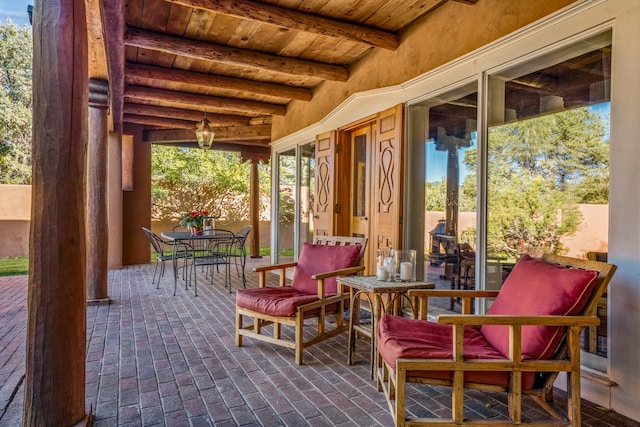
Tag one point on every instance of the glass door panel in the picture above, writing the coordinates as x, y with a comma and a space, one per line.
447, 127
307, 189
548, 161
286, 205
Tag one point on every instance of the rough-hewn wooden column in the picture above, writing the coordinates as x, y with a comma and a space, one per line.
54, 392
115, 199
254, 202
97, 211
254, 210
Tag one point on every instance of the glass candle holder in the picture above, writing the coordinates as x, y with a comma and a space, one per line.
382, 270
405, 265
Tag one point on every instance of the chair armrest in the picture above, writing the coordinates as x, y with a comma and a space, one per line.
515, 324
275, 267
320, 277
262, 272
342, 272
502, 319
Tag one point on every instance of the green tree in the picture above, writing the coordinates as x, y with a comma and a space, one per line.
183, 180
539, 171
435, 195
16, 50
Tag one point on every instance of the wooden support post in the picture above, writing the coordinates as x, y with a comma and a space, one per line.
254, 210
115, 200
54, 390
97, 213
254, 200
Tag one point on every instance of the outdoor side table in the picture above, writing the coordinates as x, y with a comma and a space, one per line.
376, 292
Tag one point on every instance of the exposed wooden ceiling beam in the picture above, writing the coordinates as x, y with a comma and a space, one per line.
215, 81
233, 56
113, 21
264, 120
189, 115
203, 102
295, 20
263, 151
159, 121
98, 64
251, 135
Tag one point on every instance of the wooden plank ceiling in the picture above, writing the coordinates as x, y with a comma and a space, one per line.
238, 61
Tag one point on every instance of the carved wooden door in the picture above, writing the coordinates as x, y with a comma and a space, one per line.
386, 210
325, 193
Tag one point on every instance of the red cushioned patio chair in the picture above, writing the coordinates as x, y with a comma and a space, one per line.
530, 335
312, 293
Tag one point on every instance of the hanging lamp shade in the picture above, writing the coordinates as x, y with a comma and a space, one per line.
204, 133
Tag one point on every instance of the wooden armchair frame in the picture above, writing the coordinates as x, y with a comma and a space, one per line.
318, 309
393, 379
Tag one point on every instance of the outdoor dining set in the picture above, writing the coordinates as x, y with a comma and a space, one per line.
214, 250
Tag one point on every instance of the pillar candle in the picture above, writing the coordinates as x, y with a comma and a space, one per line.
405, 271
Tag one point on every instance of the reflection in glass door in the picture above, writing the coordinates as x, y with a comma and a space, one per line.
447, 127
286, 205
307, 188
548, 162
296, 186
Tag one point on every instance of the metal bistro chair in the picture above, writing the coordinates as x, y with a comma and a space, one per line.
164, 252
239, 252
209, 249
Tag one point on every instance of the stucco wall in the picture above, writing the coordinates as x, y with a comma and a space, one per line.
591, 236
15, 214
136, 204
449, 32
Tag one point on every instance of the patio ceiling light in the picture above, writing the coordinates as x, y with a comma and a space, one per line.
204, 133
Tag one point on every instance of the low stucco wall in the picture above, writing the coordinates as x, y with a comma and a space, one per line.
591, 236
15, 214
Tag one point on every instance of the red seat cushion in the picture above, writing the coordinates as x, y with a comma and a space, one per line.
316, 259
536, 287
400, 337
281, 301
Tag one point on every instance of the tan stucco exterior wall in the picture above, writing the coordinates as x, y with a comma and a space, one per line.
447, 33
136, 203
15, 215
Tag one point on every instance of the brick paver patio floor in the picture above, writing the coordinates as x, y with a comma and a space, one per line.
155, 359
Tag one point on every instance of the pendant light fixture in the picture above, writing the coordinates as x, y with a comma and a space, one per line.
204, 133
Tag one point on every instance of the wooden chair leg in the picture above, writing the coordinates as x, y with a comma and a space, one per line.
573, 377
299, 337
573, 398
515, 397
457, 397
238, 327
400, 396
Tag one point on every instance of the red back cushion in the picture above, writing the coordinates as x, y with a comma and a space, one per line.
536, 287
316, 259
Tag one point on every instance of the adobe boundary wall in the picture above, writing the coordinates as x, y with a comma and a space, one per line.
15, 220
15, 214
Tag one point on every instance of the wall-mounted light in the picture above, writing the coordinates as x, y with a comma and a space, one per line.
204, 133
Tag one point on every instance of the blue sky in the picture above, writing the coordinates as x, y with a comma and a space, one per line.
436, 161
16, 10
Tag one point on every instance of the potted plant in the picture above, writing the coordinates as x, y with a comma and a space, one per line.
194, 220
